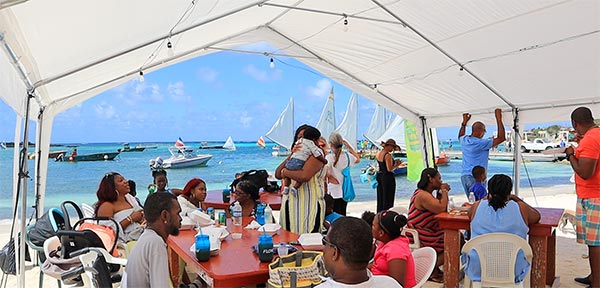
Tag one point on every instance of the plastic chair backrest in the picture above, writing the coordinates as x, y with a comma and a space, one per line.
88, 211
497, 255
415, 244
425, 259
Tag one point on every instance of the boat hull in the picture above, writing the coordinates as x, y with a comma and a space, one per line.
94, 157
134, 149
183, 162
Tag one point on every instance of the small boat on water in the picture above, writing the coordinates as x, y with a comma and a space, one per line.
280, 151
2, 145
102, 156
229, 145
127, 148
443, 159
261, 142
181, 159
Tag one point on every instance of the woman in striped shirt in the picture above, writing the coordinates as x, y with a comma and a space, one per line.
423, 207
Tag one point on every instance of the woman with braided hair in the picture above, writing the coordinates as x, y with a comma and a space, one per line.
500, 212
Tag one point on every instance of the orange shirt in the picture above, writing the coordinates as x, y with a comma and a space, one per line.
589, 147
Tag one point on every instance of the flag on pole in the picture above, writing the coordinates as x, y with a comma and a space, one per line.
179, 143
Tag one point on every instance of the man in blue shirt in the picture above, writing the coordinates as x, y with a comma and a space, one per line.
475, 149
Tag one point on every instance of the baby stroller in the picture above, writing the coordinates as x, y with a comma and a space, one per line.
78, 255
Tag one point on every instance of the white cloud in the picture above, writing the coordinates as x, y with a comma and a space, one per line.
258, 74
207, 74
104, 110
321, 89
177, 92
155, 94
245, 120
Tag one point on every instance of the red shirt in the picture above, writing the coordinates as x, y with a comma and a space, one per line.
395, 249
589, 147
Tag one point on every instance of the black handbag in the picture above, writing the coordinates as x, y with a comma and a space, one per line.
8, 262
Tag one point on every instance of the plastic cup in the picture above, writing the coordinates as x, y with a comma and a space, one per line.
282, 250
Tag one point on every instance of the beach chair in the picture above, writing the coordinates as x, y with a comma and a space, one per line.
425, 259
498, 255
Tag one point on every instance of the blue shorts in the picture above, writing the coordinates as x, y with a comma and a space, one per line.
294, 164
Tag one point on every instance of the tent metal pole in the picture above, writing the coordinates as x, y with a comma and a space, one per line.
342, 70
462, 67
517, 150
331, 13
20, 68
426, 138
147, 43
23, 176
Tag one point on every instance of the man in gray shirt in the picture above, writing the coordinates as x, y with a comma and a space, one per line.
148, 265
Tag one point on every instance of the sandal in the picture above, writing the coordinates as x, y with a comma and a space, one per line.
436, 279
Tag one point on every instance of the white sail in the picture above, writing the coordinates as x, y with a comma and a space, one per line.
326, 124
436, 143
229, 145
378, 125
282, 131
349, 126
396, 132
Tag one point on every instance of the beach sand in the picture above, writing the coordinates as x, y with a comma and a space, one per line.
569, 260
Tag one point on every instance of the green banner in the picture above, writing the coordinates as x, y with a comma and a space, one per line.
413, 151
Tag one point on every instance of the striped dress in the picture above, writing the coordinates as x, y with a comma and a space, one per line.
302, 212
430, 233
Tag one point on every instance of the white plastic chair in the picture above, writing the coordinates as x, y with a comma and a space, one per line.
425, 259
498, 255
416, 244
88, 211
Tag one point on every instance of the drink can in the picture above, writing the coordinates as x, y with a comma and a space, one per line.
211, 211
222, 218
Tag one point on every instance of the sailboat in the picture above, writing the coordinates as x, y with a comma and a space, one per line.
326, 124
229, 145
349, 126
261, 142
441, 158
377, 126
395, 131
282, 131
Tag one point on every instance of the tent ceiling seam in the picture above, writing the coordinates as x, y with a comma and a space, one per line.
333, 13
439, 49
147, 43
341, 70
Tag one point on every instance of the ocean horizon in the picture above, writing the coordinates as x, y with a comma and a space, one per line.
78, 181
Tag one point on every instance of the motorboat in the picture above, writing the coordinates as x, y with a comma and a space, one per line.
101, 156
51, 154
127, 148
181, 158
443, 159
229, 145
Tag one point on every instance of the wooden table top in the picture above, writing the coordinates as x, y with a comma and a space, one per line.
549, 219
237, 264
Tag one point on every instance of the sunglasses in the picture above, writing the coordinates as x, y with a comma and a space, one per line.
328, 243
109, 174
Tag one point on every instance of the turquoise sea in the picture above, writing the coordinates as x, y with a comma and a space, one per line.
79, 181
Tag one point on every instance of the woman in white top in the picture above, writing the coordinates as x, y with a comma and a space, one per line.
336, 162
192, 197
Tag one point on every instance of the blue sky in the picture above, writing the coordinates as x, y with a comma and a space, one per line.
204, 99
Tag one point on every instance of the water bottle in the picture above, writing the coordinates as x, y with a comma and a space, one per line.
236, 215
450, 203
265, 248
260, 214
471, 197
268, 214
211, 211
202, 247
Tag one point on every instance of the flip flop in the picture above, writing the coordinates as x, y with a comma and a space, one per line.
436, 279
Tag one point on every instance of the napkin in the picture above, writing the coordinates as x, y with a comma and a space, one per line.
253, 225
201, 218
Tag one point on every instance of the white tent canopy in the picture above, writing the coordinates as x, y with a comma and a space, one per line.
427, 61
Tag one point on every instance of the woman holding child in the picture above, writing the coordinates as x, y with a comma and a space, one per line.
304, 210
115, 202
